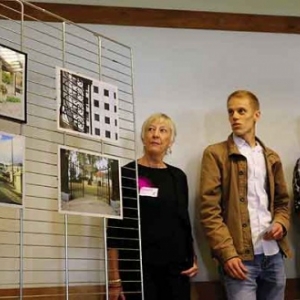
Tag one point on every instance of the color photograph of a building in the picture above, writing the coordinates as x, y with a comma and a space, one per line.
11, 169
12, 84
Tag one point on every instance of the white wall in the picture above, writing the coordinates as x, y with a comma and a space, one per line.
189, 73
186, 73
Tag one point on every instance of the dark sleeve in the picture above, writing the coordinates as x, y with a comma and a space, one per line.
186, 190
185, 211
123, 233
296, 186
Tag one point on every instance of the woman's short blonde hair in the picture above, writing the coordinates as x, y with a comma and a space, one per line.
161, 118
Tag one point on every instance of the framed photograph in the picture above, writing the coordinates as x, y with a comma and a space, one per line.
89, 184
13, 74
87, 106
12, 153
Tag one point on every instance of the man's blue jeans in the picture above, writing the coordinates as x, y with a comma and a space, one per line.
265, 280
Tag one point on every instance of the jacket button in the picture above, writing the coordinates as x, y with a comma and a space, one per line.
247, 251
241, 172
242, 199
244, 225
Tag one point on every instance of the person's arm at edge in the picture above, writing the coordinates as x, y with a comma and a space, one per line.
296, 187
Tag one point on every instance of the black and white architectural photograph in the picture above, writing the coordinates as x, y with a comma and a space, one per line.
89, 184
12, 149
87, 106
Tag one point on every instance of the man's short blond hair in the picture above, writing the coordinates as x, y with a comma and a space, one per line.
245, 94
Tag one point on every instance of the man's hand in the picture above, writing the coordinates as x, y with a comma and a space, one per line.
235, 268
275, 233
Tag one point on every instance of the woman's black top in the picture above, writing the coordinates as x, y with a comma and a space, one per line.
166, 236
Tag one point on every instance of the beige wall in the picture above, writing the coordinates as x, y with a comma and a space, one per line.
185, 73
188, 74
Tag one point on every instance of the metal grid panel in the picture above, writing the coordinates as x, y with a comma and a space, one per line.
38, 247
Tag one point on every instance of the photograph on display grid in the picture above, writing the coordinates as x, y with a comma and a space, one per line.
12, 149
89, 183
87, 106
13, 70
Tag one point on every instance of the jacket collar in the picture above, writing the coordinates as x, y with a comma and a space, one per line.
233, 149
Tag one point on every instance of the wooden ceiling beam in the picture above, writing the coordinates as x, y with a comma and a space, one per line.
128, 16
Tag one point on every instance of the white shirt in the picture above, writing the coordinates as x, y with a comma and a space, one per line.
260, 216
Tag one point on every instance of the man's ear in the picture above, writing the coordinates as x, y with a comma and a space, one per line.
257, 115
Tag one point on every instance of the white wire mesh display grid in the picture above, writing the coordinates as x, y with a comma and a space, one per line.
62, 256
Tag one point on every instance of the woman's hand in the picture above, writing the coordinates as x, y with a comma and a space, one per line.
116, 293
191, 272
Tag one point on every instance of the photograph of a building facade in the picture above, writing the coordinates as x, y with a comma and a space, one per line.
13, 66
87, 106
89, 184
11, 169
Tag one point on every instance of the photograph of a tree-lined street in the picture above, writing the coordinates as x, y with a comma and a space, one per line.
12, 84
11, 169
89, 184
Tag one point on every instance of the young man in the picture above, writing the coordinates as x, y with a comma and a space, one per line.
244, 207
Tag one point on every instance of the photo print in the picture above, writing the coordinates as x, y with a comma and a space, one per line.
87, 106
89, 183
12, 149
13, 69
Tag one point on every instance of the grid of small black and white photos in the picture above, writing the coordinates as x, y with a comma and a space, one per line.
87, 106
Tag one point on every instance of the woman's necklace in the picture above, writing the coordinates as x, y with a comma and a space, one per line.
156, 165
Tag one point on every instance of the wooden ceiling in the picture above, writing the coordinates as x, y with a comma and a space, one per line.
129, 16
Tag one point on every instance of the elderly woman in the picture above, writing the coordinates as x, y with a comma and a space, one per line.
168, 260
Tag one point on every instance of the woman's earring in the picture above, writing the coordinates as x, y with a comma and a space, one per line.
169, 151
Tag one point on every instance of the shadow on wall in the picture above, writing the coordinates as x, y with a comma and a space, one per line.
201, 242
209, 263
216, 129
213, 287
